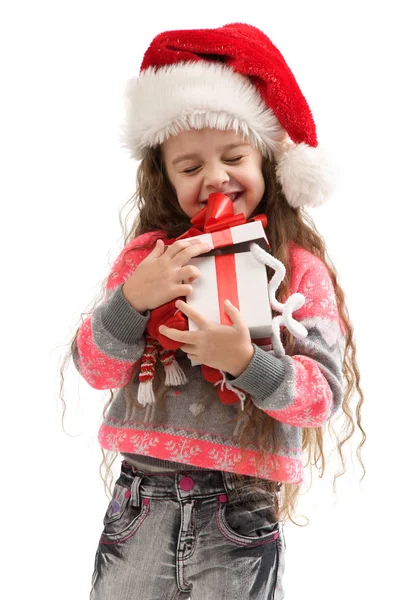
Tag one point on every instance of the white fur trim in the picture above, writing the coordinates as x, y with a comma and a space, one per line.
194, 95
305, 175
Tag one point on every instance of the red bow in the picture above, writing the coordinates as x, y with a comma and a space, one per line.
218, 214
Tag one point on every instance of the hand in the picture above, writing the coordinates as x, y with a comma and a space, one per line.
224, 347
159, 277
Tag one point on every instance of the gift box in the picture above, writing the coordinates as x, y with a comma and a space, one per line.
230, 271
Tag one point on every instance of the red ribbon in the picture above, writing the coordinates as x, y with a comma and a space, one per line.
217, 215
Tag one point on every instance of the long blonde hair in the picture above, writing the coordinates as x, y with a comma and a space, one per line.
158, 209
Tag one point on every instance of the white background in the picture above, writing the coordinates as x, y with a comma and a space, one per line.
64, 180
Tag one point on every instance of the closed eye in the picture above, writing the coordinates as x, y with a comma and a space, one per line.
233, 159
227, 160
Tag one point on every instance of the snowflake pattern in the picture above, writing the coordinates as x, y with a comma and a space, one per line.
182, 450
140, 444
266, 466
295, 471
115, 439
223, 459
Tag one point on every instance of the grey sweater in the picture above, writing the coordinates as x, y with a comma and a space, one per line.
189, 427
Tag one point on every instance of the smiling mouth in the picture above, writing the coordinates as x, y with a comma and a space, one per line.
232, 196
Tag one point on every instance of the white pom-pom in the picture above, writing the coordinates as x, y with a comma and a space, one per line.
306, 175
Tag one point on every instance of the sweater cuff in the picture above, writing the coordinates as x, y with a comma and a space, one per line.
263, 375
122, 321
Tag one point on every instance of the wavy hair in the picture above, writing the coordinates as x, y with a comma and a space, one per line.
158, 209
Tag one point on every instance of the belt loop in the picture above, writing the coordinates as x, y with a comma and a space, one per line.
228, 482
135, 490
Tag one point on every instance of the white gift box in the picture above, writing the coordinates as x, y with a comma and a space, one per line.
231, 271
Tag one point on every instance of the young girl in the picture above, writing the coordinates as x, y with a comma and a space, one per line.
213, 453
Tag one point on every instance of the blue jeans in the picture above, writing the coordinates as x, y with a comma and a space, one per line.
187, 535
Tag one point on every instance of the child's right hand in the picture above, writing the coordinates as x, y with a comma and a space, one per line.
158, 278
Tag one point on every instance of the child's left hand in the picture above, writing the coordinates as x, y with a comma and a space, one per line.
224, 347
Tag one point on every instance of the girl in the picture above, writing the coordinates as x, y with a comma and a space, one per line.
213, 465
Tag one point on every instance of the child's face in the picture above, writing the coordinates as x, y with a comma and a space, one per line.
200, 162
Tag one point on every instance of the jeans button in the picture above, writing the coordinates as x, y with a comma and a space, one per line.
186, 483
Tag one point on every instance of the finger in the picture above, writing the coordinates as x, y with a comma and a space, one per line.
188, 273
200, 320
233, 314
189, 349
184, 337
183, 289
179, 245
158, 249
186, 254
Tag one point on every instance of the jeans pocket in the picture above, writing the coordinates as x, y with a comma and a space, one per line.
246, 523
122, 520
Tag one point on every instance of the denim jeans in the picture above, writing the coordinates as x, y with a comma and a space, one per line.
187, 535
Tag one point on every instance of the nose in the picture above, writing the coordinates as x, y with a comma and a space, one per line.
216, 177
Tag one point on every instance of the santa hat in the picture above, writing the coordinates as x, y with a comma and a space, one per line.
231, 77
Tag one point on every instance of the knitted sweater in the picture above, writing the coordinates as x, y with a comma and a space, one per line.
189, 425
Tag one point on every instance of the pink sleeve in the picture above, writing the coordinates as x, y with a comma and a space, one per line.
110, 341
303, 388
313, 375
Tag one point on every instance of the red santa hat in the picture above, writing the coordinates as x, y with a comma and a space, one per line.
231, 77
